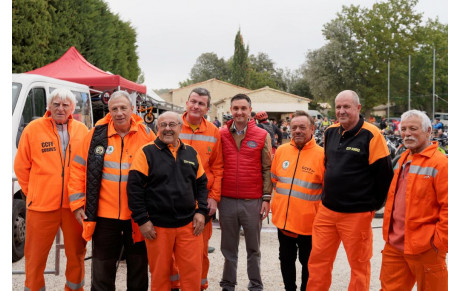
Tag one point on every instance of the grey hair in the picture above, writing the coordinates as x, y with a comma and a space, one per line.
177, 115
354, 95
118, 94
61, 94
425, 120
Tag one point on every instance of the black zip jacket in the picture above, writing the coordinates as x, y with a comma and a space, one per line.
358, 168
166, 190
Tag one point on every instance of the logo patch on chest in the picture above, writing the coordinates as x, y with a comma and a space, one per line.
109, 150
353, 149
189, 162
252, 144
285, 164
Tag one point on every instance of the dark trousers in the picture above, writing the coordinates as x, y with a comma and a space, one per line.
108, 238
288, 255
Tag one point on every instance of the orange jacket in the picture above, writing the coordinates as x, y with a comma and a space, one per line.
426, 201
206, 141
297, 177
113, 200
39, 165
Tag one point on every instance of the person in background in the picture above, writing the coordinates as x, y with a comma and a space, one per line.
415, 222
275, 133
42, 168
357, 176
98, 197
216, 122
297, 175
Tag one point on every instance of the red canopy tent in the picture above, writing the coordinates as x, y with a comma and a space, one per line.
73, 67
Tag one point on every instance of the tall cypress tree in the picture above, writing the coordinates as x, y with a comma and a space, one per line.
240, 64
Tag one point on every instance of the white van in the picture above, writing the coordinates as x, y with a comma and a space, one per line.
29, 102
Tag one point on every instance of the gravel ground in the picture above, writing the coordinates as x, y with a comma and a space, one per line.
271, 274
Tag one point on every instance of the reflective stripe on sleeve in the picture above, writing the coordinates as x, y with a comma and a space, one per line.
199, 137
76, 196
79, 160
75, 286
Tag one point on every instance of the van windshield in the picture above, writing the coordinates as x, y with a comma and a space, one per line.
16, 90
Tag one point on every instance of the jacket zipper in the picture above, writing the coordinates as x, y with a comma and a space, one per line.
290, 190
62, 163
119, 180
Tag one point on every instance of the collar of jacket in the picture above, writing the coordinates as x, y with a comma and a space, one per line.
136, 120
161, 145
201, 128
310, 144
354, 130
232, 128
428, 152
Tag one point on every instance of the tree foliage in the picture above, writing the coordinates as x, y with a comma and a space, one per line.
240, 63
361, 41
44, 29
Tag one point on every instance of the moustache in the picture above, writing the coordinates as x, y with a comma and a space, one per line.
410, 139
168, 132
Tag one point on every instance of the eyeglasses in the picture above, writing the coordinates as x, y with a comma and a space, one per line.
171, 125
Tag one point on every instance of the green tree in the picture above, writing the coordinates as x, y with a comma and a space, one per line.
360, 43
240, 63
208, 66
31, 33
262, 72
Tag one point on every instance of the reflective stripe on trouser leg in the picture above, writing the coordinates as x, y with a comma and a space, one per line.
41, 229
175, 283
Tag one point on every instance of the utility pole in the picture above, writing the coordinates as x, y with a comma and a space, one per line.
409, 86
388, 102
434, 80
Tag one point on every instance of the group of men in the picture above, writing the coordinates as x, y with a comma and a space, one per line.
153, 197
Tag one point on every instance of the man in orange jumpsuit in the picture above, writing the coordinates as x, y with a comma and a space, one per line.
297, 175
205, 139
41, 165
97, 193
416, 212
356, 181
167, 194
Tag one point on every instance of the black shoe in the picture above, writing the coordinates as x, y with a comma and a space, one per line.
211, 249
175, 289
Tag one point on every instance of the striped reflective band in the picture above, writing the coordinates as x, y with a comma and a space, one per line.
204, 281
115, 178
75, 286
76, 196
79, 160
174, 277
115, 165
298, 194
41, 289
304, 184
274, 176
427, 171
199, 137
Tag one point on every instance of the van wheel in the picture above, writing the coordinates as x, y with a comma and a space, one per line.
19, 229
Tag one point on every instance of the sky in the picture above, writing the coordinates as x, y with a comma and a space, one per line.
171, 35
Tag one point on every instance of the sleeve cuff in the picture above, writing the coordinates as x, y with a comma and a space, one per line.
266, 197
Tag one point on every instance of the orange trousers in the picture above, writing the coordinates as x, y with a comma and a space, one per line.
355, 232
41, 229
207, 232
400, 271
187, 251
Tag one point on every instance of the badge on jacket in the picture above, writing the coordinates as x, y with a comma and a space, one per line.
99, 150
285, 165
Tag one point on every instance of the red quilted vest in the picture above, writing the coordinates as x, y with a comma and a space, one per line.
243, 168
